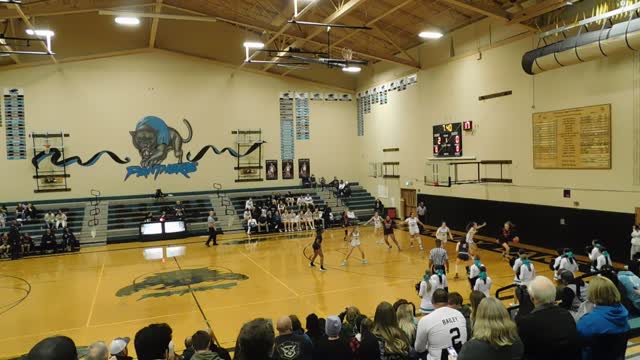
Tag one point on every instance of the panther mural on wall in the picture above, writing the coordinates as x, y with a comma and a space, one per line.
154, 140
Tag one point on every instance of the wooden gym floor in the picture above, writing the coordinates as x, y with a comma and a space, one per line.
106, 292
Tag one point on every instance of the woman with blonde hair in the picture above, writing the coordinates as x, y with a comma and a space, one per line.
407, 322
386, 340
495, 335
604, 330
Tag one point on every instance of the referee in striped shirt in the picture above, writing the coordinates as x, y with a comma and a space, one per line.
438, 257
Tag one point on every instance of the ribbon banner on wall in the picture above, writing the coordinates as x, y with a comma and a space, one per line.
15, 124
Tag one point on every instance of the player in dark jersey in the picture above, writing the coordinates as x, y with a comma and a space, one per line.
317, 250
506, 235
463, 255
387, 227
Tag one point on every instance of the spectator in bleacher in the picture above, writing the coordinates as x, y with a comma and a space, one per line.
333, 346
334, 183
341, 187
603, 331
314, 332
61, 220
255, 341
178, 210
119, 348
69, 240
317, 218
287, 221
50, 219
300, 202
347, 190
276, 222
296, 325
188, 349
148, 217
327, 217
290, 200
572, 292
379, 207
495, 335
154, 342
54, 348
386, 340
248, 205
308, 200
48, 240
97, 351
4, 246
252, 225
3, 219
289, 346
297, 220
201, 342
19, 212
323, 183
549, 331
443, 328
27, 244
407, 322
474, 300
163, 216
312, 181
223, 353
281, 206
263, 224
4, 210
308, 220
246, 216
456, 302
159, 195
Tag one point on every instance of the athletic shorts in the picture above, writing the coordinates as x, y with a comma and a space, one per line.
388, 231
464, 256
316, 246
414, 231
355, 243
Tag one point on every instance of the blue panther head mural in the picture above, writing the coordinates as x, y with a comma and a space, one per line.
154, 139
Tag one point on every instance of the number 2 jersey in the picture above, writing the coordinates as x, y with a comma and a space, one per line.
439, 330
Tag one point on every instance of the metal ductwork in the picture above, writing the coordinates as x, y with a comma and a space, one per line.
585, 46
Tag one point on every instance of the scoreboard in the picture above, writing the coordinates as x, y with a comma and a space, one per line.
447, 140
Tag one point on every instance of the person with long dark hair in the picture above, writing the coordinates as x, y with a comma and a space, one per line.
386, 340
387, 229
317, 250
507, 234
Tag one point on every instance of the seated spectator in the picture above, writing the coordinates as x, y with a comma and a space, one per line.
300, 202
48, 241
224, 354
604, 330
54, 348
248, 205
346, 193
178, 210
296, 325
549, 331
159, 195
495, 335
188, 349
333, 346
349, 317
312, 181
69, 241
163, 216
154, 342
3, 219
308, 199
263, 224
443, 328
290, 200
255, 341
314, 332
200, 342
97, 351
49, 219
634, 265
19, 212
276, 222
407, 322
61, 220
27, 244
573, 292
252, 224
474, 299
5, 247
306, 182
289, 346
119, 348
631, 284
246, 216
323, 183
149, 217
385, 340
455, 302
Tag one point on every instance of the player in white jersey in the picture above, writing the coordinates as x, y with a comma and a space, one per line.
355, 244
604, 259
443, 233
483, 283
472, 229
516, 266
414, 230
445, 327
440, 278
526, 272
427, 287
377, 226
594, 254
474, 271
568, 262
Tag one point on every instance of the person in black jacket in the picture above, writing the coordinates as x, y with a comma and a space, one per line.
549, 331
48, 241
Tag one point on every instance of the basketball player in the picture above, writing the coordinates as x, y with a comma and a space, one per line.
507, 234
445, 327
355, 244
604, 259
348, 219
594, 254
414, 230
317, 250
516, 266
211, 225
377, 226
443, 233
568, 262
526, 272
483, 284
462, 248
440, 278
474, 271
388, 225
426, 289
472, 229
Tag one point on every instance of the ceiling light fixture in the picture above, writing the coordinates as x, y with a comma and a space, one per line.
40, 32
127, 20
352, 69
253, 45
430, 35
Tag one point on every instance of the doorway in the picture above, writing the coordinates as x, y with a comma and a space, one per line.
409, 198
637, 215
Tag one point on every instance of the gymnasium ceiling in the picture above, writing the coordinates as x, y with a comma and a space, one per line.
81, 32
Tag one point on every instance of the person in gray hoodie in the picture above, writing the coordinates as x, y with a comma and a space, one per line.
200, 342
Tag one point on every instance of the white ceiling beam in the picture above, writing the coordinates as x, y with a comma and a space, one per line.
154, 24
158, 16
337, 15
29, 26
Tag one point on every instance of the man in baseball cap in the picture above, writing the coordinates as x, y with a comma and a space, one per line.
119, 349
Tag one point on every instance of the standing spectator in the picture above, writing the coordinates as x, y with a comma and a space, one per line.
333, 346
604, 330
379, 207
422, 212
495, 335
255, 341
323, 183
119, 348
200, 342
438, 257
97, 351
178, 210
154, 342
443, 328
635, 240
15, 241
61, 220
548, 332
312, 181
54, 348
252, 224
211, 225
289, 346
386, 340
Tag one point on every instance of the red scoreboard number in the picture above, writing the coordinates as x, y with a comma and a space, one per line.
467, 125
447, 140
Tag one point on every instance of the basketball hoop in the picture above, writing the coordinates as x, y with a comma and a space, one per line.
47, 148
